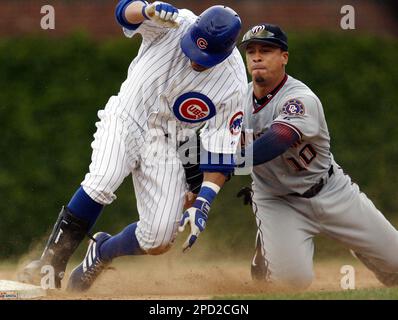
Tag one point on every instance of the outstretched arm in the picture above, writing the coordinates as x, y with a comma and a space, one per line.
196, 216
132, 13
217, 178
273, 143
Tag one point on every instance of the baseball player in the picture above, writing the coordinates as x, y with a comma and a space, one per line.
298, 189
187, 75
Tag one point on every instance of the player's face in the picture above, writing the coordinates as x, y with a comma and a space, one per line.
265, 62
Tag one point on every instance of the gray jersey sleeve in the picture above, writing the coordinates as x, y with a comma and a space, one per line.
301, 113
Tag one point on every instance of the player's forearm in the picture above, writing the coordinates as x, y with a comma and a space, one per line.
217, 178
212, 183
133, 12
272, 144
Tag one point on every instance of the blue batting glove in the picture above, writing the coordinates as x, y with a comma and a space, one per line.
197, 219
166, 11
162, 13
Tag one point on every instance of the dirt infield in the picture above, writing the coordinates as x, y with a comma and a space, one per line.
177, 276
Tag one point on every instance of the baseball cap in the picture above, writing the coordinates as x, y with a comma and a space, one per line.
267, 33
212, 38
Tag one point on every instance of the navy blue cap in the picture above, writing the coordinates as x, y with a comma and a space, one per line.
267, 33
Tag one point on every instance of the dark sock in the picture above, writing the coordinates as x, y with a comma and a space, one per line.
85, 208
123, 244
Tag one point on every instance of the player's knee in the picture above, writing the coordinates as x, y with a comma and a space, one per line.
386, 273
158, 250
100, 192
102, 185
299, 280
156, 239
391, 265
155, 246
388, 264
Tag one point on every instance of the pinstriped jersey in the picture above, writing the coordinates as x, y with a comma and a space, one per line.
162, 86
304, 164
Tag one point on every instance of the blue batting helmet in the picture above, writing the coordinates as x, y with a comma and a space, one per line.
212, 38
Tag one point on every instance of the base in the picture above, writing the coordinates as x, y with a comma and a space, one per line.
19, 290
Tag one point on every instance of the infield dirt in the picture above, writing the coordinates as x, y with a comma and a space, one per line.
194, 276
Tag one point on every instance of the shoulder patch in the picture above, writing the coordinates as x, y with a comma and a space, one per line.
235, 124
293, 107
193, 107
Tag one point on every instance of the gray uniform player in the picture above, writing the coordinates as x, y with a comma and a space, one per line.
299, 190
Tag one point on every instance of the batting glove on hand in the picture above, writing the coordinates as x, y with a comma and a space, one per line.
197, 219
162, 13
247, 194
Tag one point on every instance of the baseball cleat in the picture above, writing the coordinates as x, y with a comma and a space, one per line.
84, 275
68, 232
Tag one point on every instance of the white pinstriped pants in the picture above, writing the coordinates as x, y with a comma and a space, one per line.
119, 149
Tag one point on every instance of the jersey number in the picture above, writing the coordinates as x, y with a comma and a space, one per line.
306, 154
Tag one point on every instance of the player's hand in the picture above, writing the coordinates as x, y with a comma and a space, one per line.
162, 13
197, 220
247, 194
190, 198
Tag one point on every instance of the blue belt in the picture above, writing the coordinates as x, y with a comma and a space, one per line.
315, 189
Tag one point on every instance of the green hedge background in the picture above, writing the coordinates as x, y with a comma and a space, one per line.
51, 90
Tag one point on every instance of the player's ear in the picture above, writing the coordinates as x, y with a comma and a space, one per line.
285, 57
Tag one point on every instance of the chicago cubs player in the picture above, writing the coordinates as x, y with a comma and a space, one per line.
188, 74
298, 189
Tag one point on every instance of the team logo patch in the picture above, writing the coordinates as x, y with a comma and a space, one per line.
235, 125
257, 29
193, 107
202, 222
202, 43
293, 107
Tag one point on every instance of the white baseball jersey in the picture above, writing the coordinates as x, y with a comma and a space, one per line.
163, 90
165, 87
300, 167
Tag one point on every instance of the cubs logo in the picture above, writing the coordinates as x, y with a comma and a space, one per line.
293, 107
202, 43
193, 107
235, 125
